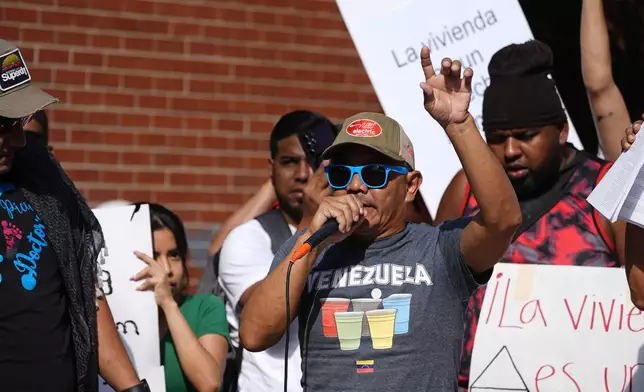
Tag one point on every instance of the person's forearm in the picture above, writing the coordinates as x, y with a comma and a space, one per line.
499, 208
203, 371
113, 363
263, 318
595, 47
606, 101
634, 255
255, 206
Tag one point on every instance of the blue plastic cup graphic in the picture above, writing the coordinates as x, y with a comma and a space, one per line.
400, 302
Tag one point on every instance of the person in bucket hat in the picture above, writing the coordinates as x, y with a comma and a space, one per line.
381, 302
52, 311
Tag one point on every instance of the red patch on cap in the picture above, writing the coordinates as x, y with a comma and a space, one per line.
364, 128
410, 150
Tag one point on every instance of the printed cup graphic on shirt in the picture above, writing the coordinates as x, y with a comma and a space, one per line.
364, 305
349, 327
400, 302
381, 325
329, 307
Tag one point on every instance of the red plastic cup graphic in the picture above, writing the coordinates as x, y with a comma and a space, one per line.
329, 307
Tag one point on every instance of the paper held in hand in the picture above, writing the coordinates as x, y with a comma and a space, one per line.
619, 195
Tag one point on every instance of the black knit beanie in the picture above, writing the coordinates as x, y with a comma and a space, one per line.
521, 93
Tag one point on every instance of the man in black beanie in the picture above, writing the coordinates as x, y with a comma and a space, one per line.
527, 130
52, 312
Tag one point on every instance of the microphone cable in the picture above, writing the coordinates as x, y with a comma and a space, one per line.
329, 228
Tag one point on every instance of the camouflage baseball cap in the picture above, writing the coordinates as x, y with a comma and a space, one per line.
18, 98
378, 132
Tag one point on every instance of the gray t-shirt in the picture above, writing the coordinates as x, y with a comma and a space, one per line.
386, 316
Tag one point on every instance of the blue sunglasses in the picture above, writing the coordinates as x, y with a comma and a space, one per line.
374, 176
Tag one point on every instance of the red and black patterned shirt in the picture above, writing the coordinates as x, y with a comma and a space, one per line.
570, 233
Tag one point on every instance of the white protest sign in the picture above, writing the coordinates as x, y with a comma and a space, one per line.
135, 313
558, 328
389, 34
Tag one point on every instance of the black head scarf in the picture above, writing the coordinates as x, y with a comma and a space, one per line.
76, 238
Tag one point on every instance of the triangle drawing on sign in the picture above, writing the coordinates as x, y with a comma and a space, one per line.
501, 375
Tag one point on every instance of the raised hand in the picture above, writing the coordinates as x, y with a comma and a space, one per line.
156, 279
447, 95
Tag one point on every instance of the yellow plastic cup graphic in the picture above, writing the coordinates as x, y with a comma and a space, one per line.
364, 305
349, 327
381, 326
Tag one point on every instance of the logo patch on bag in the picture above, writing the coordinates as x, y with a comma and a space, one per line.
14, 71
364, 128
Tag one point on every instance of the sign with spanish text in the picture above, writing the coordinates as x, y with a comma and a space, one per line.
135, 313
558, 328
388, 35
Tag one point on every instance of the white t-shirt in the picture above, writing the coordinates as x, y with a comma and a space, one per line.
245, 259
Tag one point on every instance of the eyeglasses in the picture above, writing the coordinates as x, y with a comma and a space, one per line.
374, 176
7, 124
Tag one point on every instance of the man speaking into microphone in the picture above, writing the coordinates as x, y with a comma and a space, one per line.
381, 302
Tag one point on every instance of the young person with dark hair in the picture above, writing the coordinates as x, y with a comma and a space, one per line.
296, 145
193, 329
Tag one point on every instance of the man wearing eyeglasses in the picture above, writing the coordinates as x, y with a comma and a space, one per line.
52, 314
381, 304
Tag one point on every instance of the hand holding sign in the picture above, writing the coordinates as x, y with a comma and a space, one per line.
447, 95
157, 279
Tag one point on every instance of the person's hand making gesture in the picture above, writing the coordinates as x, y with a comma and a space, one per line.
447, 94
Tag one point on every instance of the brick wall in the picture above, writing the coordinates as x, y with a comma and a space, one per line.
173, 101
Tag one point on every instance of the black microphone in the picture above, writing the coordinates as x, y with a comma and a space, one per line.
329, 228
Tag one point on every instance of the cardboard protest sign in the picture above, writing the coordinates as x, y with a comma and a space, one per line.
558, 328
135, 313
389, 35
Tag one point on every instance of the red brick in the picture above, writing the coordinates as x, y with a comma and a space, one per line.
151, 178
136, 158
83, 175
70, 155
138, 6
102, 118
105, 41
138, 195
71, 38
101, 195
53, 56
67, 116
69, 77
121, 177
86, 98
185, 29
138, 82
21, 14
135, 120
118, 138
88, 59
166, 122
103, 79
86, 137
112, 99
36, 35
151, 140
174, 47
101, 156
153, 102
